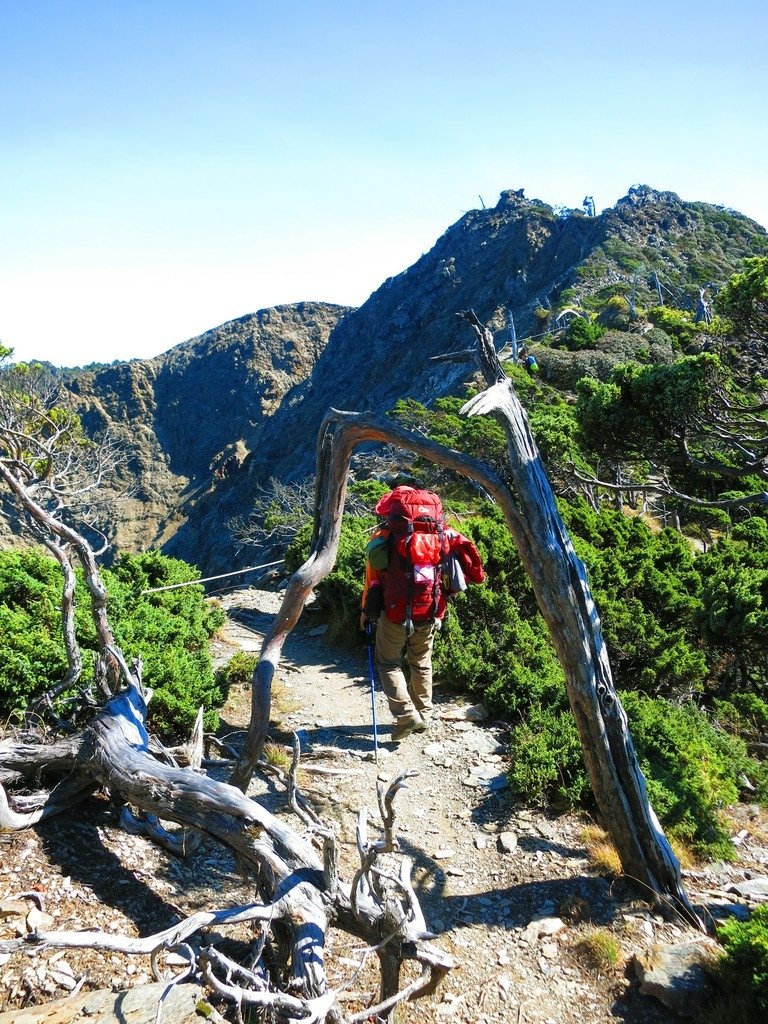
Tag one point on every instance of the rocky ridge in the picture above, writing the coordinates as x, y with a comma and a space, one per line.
210, 422
192, 417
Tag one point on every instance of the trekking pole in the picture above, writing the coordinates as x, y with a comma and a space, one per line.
368, 633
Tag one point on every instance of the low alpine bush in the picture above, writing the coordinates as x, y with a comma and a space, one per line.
743, 971
169, 631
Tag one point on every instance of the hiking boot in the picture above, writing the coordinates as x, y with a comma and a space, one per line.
405, 726
426, 721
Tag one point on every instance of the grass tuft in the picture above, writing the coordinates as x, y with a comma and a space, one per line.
602, 854
600, 950
685, 855
277, 756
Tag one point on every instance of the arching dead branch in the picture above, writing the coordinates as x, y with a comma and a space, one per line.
562, 591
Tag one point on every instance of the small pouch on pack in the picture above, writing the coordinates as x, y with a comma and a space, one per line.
454, 581
377, 552
374, 603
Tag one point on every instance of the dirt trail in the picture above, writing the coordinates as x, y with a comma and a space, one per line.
500, 884
454, 821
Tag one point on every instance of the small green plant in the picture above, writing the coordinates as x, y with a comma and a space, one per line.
277, 756
600, 950
237, 671
742, 973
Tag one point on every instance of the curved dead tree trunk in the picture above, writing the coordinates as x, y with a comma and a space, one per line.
564, 597
562, 591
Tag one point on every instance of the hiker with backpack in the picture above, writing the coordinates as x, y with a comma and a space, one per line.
414, 563
528, 359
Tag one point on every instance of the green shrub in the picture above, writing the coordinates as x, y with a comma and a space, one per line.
676, 323
733, 616
495, 642
709, 518
692, 769
582, 334
743, 971
744, 714
648, 592
169, 631
32, 655
368, 492
616, 313
339, 593
546, 762
238, 670
556, 430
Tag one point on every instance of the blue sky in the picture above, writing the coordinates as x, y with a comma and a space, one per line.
167, 166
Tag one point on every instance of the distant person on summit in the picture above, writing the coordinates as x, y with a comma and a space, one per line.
414, 563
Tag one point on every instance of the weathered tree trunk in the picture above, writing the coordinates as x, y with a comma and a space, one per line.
333, 455
563, 594
562, 591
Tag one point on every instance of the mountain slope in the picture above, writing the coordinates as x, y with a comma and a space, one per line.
192, 417
218, 416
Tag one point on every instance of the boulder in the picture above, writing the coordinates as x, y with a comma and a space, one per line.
677, 975
179, 1004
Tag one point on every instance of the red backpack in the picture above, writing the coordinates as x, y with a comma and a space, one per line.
415, 548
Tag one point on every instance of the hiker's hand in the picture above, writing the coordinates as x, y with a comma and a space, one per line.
364, 622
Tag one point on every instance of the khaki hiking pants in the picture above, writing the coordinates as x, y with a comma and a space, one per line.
391, 642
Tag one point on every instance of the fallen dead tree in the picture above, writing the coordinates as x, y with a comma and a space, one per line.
300, 894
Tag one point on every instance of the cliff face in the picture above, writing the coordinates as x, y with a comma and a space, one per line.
210, 422
192, 417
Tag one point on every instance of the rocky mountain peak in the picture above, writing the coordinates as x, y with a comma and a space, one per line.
208, 423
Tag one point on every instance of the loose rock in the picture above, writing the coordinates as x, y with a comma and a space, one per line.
677, 977
507, 842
